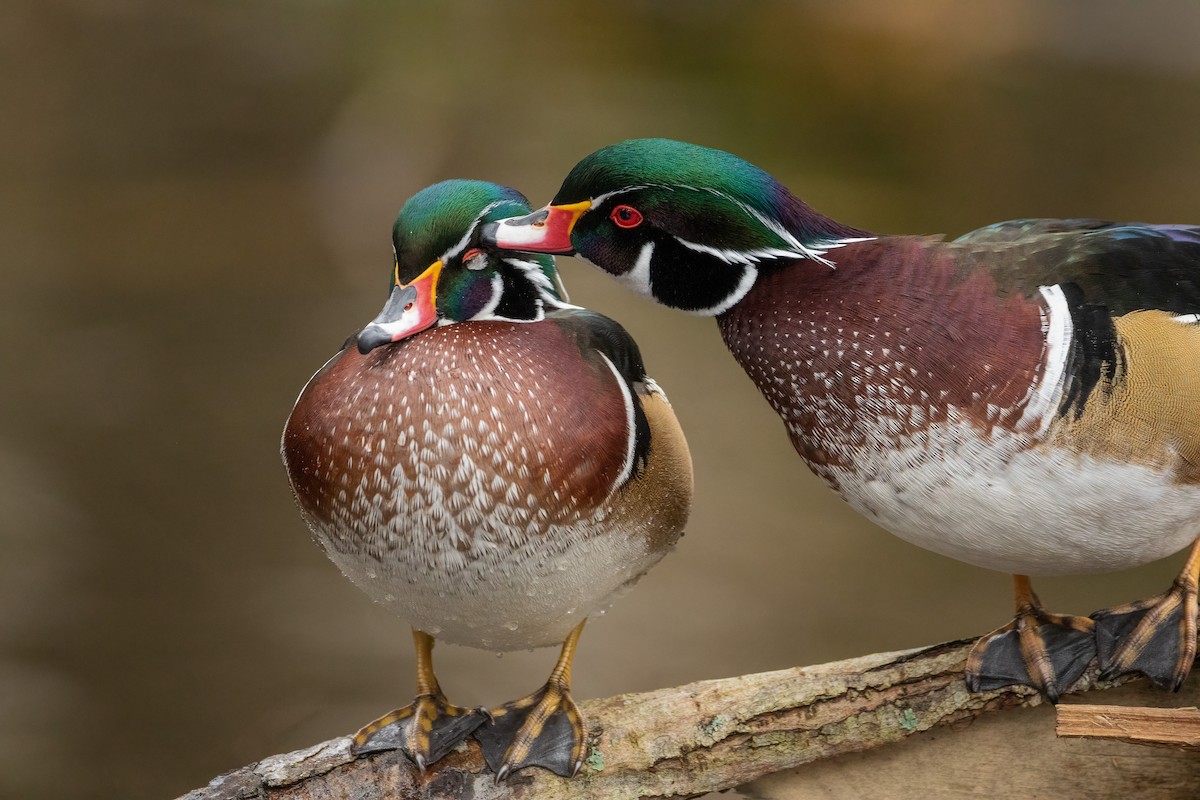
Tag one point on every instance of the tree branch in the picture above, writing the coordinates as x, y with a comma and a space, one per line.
679, 742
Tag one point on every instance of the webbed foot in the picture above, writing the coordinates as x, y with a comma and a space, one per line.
1046, 651
544, 729
1155, 637
426, 729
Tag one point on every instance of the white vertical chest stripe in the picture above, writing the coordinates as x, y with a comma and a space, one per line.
630, 425
1045, 396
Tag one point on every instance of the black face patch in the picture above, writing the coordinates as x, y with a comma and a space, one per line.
519, 299
692, 280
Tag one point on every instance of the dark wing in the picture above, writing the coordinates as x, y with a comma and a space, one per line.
1104, 270
596, 335
1123, 267
1016, 230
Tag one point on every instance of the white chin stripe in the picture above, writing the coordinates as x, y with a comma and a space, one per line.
638, 278
749, 275
409, 322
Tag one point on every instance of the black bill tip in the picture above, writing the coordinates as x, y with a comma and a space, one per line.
371, 337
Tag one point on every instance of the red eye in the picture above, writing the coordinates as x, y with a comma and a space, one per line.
626, 216
467, 256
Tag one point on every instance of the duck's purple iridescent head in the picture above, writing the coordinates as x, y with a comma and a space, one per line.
686, 225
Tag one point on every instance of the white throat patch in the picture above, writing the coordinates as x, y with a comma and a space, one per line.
638, 278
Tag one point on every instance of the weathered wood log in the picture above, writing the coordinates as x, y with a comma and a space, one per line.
679, 742
1012, 754
1163, 727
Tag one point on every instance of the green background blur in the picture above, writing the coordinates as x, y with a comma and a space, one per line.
195, 204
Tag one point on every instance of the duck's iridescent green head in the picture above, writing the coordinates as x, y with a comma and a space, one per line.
444, 274
687, 225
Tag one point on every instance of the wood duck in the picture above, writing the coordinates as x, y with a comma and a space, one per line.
1023, 398
493, 464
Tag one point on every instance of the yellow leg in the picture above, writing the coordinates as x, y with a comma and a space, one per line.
425, 729
1039, 649
542, 729
1154, 637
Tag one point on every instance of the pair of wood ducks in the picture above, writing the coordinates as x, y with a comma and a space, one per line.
495, 464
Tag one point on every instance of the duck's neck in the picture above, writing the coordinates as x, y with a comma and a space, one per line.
810, 225
892, 339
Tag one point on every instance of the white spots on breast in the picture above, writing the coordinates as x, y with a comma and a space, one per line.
834, 383
457, 514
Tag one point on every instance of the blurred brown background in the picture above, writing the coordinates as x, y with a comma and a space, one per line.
195, 203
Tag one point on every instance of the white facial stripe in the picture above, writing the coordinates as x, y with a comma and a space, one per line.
814, 251
1044, 397
741, 256
1187, 319
794, 247
461, 245
545, 286
630, 425
562, 290
599, 199
531, 271
488, 312
497, 290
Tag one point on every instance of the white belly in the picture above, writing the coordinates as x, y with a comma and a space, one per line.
491, 592
1032, 512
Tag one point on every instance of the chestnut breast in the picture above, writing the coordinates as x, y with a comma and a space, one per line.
465, 478
467, 416
893, 340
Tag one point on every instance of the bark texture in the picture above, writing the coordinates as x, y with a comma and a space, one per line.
707, 736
